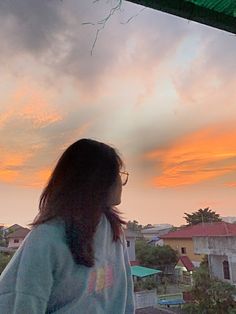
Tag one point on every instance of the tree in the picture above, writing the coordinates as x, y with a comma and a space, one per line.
148, 226
146, 284
134, 225
210, 295
158, 257
202, 215
4, 260
3, 241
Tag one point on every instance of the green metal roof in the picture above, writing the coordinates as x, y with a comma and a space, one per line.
216, 13
140, 271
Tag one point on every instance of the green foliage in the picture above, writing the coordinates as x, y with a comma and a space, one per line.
204, 262
155, 256
202, 215
148, 226
134, 225
145, 284
4, 260
2, 238
211, 295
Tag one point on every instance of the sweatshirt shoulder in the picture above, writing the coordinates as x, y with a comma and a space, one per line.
49, 232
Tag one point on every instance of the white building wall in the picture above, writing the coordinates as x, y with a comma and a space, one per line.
216, 263
230, 219
218, 250
11, 243
131, 248
215, 245
232, 263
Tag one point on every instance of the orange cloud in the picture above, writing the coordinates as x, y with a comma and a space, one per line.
231, 184
28, 102
40, 178
36, 105
10, 164
38, 116
8, 175
32, 106
204, 155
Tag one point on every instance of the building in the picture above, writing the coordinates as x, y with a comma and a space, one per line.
220, 247
230, 219
16, 237
131, 237
155, 233
182, 240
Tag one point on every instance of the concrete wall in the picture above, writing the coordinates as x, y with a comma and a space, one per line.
177, 244
216, 267
215, 245
11, 243
131, 248
232, 263
218, 250
145, 299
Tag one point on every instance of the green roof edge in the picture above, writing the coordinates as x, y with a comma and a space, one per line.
192, 12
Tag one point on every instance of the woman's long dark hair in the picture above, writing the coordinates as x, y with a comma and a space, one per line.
77, 192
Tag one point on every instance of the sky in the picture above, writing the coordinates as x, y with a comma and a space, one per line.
157, 87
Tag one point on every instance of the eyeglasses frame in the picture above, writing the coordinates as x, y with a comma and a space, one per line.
127, 177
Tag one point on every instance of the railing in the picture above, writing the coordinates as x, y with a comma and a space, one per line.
145, 298
170, 299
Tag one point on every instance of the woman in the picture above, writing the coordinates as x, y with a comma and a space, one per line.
75, 258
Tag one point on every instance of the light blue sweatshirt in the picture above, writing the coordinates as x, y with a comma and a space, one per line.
43, 278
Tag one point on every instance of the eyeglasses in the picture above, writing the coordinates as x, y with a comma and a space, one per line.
124, 177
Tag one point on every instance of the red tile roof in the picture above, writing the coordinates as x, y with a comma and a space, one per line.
186, 262
214, 229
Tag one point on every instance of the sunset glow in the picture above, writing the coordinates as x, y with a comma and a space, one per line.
158, 88
200, 156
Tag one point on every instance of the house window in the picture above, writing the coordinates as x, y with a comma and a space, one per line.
183, 250
16, 240
226, 270
128, 243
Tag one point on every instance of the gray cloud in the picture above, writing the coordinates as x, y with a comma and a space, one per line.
53, 34
30, 26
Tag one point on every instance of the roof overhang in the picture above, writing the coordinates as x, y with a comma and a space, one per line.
220, 14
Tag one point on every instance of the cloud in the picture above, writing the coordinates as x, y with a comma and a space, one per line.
50, 34
203, 155
36, 179
34, 131
11, 164
230, 184
119, 94
208, 82
33, 26
29, 105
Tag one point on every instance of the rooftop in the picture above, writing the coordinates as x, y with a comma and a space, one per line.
140, 271
187, 263
215, 229
19, 233
156, 229
219, 14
